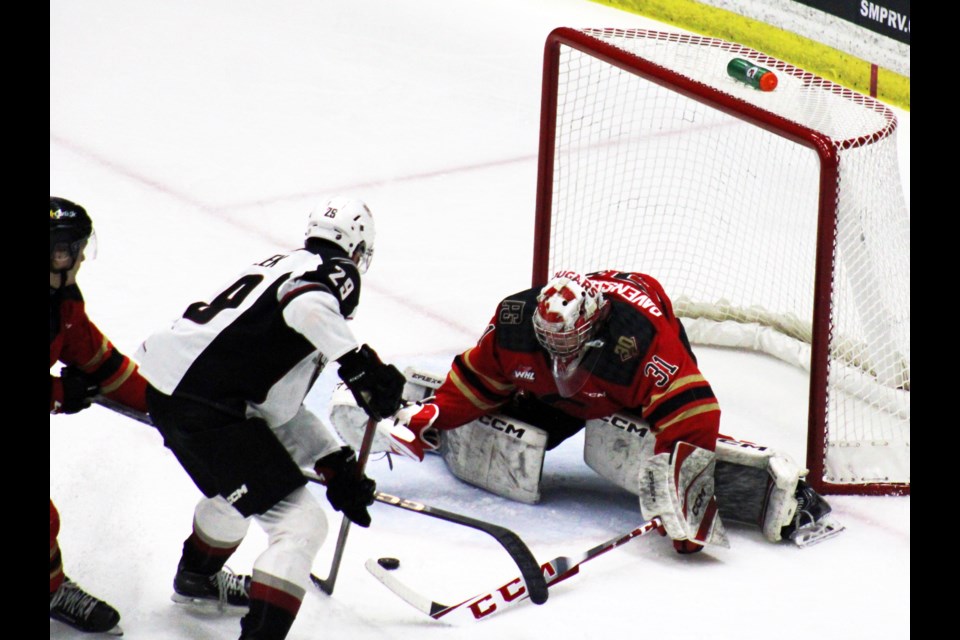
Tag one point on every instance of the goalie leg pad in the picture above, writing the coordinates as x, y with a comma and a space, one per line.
679, 487
757, 485
349, 420
420, 384
616, 446
497, 453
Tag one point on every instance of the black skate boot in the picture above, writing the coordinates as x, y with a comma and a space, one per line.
811, 523
223, 590
73, 606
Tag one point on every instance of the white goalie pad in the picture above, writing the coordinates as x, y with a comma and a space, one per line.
756, 485
616, 446
497, 453
420, 383
349, 420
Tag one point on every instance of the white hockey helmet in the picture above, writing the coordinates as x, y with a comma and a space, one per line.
346, 222
570, 310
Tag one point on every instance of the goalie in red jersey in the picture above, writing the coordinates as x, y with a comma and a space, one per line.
93, 366
606, 352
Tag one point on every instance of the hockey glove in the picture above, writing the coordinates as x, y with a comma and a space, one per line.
411, 431
679, 488
376, 386
77, 388
348, 489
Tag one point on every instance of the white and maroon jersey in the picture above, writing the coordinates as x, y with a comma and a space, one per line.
263, 338
645, 366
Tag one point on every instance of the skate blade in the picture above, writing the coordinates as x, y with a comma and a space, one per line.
115, 631
206, 605
815, 533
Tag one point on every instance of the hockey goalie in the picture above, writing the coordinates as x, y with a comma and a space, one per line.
602, 352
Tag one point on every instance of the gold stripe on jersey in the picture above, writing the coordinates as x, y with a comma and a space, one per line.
123, 377
468, 392
689, 413
677, 385
97, 358
490, 382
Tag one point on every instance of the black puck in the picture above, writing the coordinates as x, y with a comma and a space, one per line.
389, 563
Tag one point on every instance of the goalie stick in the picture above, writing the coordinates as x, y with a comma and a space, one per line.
533, 579
534, 582
509, 594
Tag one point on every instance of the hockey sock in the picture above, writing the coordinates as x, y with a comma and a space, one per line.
200, 557
265, 620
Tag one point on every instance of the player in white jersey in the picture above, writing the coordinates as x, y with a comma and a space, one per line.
227, 385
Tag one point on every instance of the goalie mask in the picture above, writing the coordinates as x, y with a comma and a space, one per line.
348, 223
71, 235
570, 311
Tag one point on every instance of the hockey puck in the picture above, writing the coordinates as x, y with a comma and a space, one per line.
389, 563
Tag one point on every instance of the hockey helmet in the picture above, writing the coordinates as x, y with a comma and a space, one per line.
348, 223
71, 232
570, 310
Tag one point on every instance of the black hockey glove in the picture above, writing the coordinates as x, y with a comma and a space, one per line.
348, 489
377, 387
78, 388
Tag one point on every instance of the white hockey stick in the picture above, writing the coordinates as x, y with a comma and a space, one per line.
508, 595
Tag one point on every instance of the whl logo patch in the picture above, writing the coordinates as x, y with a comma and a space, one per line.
524, 373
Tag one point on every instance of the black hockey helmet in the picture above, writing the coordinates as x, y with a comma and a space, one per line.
71, 229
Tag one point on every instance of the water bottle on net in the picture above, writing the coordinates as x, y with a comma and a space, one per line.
751, 74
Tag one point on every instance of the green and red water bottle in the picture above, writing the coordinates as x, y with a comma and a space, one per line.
751, 74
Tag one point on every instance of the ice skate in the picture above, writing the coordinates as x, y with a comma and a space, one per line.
223, 591
812, 522
73, 606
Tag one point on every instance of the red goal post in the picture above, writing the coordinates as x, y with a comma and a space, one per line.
775, 220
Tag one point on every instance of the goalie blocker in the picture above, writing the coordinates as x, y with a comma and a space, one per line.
504, 455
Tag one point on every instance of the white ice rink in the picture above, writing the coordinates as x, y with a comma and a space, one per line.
198, 134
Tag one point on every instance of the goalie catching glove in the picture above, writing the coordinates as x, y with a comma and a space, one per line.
679, 488
411, 431
348, 489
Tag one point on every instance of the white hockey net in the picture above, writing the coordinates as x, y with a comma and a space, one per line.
775, 220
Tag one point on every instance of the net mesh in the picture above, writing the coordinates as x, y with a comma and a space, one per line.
725, 212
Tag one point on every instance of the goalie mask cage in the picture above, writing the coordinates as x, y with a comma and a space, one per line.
776, 221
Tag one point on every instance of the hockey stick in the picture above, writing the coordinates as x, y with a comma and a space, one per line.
532, 577
508, 595
326, 584
122, 409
